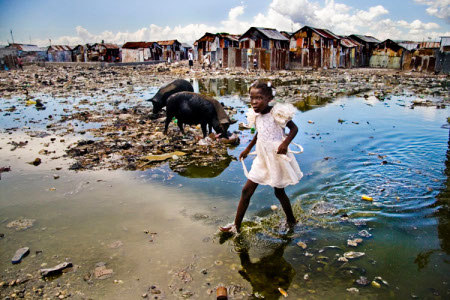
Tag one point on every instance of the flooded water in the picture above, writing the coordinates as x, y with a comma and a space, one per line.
157, 229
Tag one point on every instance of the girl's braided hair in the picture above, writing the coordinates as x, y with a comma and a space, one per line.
266, 87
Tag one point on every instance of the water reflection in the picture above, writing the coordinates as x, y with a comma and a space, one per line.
443, 203
269, 272
443, 216
311, 102
195, 170
223, 86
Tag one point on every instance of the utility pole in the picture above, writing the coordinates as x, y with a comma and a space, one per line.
12, 37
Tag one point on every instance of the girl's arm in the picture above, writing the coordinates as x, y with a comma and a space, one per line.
249, 148
293, 129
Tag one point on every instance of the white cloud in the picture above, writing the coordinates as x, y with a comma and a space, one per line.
437, 8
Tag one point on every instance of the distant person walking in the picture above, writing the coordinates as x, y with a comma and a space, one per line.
19, 62
191, 59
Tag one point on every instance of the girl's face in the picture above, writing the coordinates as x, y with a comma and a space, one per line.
258, 100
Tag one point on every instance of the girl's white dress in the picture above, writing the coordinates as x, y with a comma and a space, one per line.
270, 168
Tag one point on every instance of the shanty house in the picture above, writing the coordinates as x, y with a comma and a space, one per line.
365, 51
141, 51
105, 52
314, 48
229, 50
207, 45
267, 45
184, 49
443, 59
423, 58
171, 49
59, 53
219, 46
8, 58
80, 52
29, 53
349, 53
390, 55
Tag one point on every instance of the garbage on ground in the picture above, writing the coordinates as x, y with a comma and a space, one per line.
20, 253
56, 269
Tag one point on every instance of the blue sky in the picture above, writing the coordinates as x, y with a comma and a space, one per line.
81, 21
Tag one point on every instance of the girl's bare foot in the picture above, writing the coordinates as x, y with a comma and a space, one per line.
229, 228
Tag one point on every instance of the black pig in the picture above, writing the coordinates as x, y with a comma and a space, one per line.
192, 108
160, 98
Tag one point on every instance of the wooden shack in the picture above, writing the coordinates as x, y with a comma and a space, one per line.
349, 53
368, 43
105, 52
267, 48
314, 48
59, 53
141, 51
389, 55
443, 58
170, 49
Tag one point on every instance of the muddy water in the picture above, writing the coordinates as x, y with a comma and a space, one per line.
166, 222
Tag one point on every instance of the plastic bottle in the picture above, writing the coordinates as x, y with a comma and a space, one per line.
252, 130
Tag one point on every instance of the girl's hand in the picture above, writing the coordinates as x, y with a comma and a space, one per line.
283, 148
244, 154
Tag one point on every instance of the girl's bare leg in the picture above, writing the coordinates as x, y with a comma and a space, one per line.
247, 192
286, 205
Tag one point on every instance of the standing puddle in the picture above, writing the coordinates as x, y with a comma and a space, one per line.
156, 229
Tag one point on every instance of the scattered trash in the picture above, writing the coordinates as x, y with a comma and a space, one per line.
101, 272
367, 198
375, 284
353, 255
36, 162
302, 245
3, 170
363, 281
20, 253
283, 292
56, 269
354, 242
21, 224
364, 233
221, 293
274, 207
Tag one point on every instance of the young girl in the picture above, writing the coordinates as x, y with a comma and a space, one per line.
273, 164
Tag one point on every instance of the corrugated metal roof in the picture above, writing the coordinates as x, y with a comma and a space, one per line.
168, 43
136, 45
445, 42
111, 46
408, 45
232, 37
59, 48
322, 32
26, 47
272, 34
348, 42
207, 37
367, 38
429, 45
